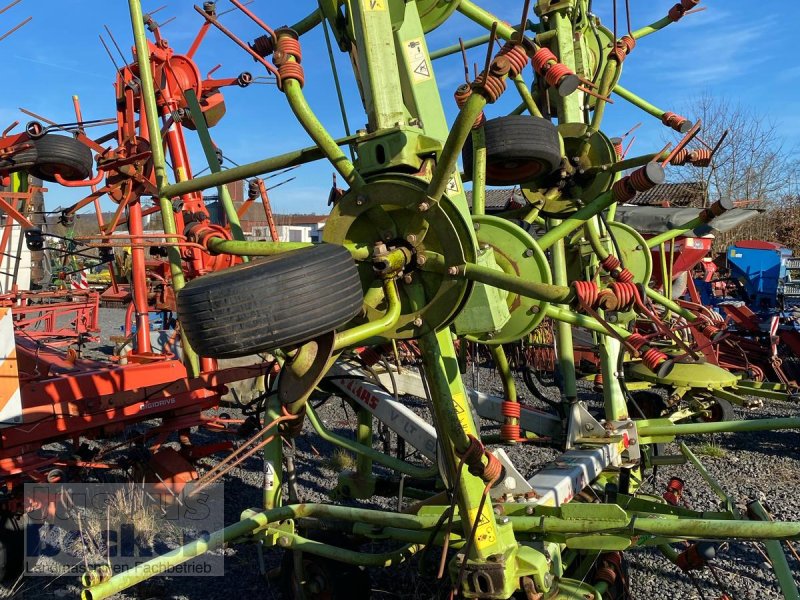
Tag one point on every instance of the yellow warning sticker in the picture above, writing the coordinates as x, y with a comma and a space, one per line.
460, 405
485, 534
376, 4
418, 61
452, 185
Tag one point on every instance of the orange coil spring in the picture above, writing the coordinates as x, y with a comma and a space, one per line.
700, 157
555, 73
461, 96
516, 57
490, 87
709, 330
511, 409
622, 190
511, 433
473, 458
541, 58
624, 276
689, 4
681, 158
622, 48
598, 380
673, 120
653, 358
610, 262
290, 46
619, 149
636, 341
640, 181
292, 70
587, 292
626, 294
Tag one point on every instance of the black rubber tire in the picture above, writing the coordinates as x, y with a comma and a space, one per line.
339, 581
63, 155
650, 403
519, 149
721, 410
12, 542
19, 161
278, 302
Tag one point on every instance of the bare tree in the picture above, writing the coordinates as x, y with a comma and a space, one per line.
752, 165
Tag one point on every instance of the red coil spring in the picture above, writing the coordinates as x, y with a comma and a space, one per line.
516, 57
624, 276
640, 181
653, 358
676, 13
610, 262
511, 409
555, 73
598, 380
636, 341
511, 433
292, 70
681, 158
626, 294
491, 87
689, 4
587, 293
622, 190
290, 46
700, 157
541, 58
622, 49
670, 119
473, 456
461, 96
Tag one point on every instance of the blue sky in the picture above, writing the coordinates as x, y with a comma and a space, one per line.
731, 49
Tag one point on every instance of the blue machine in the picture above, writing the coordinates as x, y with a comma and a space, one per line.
768, 274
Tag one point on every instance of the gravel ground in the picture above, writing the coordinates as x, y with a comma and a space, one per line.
756, 465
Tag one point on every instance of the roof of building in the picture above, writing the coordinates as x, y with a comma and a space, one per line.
499, 199
692, 193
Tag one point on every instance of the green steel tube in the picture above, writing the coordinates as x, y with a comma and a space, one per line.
273, 454
455, 48
364, 437
604, 89
673, 528
407, 535
359, 333
507, 378
567, 226
569, 107
479, 171
267, 165
719, 427
260, 248
191, 359
527, 99
560, 294
579, 320
670, 304
360, 449
652, 28
638, 102
712, 483
592, 234
485, 19
253, 248
318, 133
251, 521
452, 147
676, 232
292, 541
209, 150
565, 351
780, 566
636, 161
308, 23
